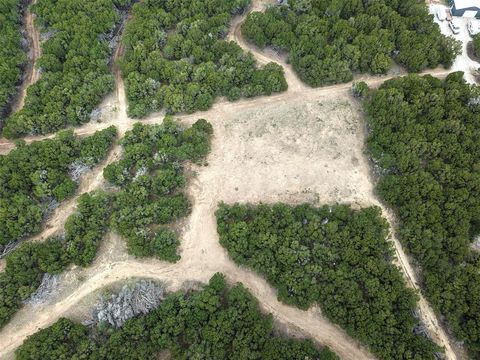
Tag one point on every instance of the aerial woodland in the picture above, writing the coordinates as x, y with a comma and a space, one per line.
35, 178
329, 41
215, 322
151, 180
146, 198
424, 140
336, 257
31, 261
423, 146
12, 55
177, 58
74, 66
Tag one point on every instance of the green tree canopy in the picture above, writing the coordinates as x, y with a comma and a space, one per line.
151, 180
74, 65
176, 58
424, 137
336, 257
33, 176
328, 41
12, 56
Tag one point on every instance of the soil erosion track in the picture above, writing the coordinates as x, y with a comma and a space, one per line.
32, 73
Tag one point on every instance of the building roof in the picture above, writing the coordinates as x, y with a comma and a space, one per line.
464, 4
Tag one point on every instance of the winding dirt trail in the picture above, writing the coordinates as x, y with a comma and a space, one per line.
32, 73
427, 315
250, 162
91, 180
101, 275
266, 166
264, 57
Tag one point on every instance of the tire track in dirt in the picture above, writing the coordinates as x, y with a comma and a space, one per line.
32, 73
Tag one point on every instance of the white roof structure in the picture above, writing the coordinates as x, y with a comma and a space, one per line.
465, 4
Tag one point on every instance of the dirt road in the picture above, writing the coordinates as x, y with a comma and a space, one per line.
93, 179
30, 319
200, 250
264, 57
32, 73
426, 312
124, 123
302, 145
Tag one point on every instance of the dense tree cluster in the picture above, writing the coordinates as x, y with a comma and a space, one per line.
74, 64
150, 177
12, 56
85, 229
213, 323
34, 176
27, 264
329, 40
360, 89
424, 136
176, 58
150, 181
336, 257
476, 45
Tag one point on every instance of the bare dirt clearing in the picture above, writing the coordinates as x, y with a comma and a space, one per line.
308, 149
113, 115
294, 152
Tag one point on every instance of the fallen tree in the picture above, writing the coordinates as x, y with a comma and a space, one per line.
213, 323
131, 301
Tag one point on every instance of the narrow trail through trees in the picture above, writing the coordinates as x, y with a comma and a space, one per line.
426, 312
32, 73
201, 253
91, 180
264, 57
